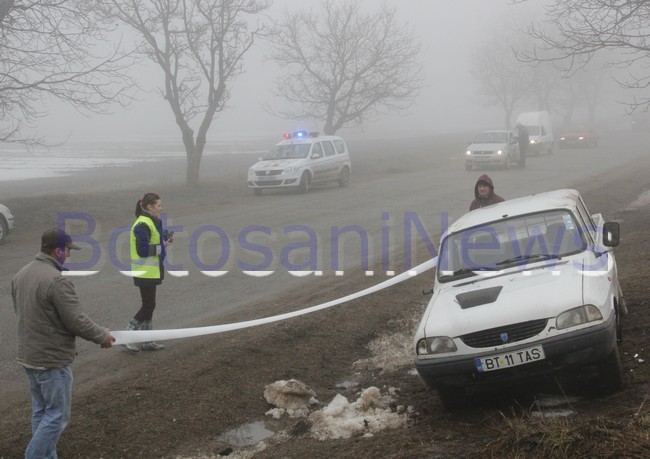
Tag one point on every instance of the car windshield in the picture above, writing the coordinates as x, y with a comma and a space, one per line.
289, 151
492, 137
517, 241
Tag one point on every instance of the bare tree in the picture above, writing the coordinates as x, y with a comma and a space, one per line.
577, 30
48, 50
503, 79
343, 67
199, 46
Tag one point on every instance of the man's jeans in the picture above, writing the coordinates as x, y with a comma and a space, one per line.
51, 404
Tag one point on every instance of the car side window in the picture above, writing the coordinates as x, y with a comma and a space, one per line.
340, 146
329, 148
317, 150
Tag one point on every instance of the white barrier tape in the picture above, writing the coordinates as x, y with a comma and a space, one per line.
138, 336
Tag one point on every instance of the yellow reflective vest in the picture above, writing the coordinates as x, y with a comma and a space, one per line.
147, 267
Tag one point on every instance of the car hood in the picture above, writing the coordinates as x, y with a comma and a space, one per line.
276, 163
487, 146
483, 303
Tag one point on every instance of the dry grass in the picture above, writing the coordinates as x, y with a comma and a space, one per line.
528, 437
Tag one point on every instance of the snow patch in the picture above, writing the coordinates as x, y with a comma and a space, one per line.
369, 414
391, 351
291, 397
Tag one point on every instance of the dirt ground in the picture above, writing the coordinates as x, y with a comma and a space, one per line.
176, 403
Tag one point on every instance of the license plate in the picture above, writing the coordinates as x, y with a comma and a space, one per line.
510, 359
266, 178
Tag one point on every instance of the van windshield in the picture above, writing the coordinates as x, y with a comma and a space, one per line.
534, 130
290, 151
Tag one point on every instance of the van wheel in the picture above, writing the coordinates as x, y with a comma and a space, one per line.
344, 179
257, 191
4, 229
304, 183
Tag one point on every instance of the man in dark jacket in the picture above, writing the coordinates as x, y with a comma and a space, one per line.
484, 193
50, 317
524, 141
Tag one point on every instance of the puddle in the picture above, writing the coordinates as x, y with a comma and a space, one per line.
251, 433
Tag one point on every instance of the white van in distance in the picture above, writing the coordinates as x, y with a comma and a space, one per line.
540, 131
301, 160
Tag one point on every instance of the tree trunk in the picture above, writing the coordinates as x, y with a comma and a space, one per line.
193, 155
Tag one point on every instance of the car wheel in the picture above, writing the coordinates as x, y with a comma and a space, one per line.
611, 373
344, 179
257, 191
304, 183
506, 164
452, 397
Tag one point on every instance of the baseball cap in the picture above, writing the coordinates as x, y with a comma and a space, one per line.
57, 238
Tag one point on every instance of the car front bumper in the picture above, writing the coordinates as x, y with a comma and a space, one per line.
274, 181
486, 160
582, 347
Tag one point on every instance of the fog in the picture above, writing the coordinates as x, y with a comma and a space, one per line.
448, 31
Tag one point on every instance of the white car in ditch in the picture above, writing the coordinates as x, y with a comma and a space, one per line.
524, 288
300, 161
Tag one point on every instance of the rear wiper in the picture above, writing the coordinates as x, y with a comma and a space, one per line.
533, 257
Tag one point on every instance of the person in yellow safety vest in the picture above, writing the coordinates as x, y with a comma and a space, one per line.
148, 243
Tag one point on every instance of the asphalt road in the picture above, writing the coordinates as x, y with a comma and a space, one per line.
281, 232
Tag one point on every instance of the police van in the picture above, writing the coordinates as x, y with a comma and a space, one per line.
301, 160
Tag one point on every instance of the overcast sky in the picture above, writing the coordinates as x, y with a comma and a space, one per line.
448, 30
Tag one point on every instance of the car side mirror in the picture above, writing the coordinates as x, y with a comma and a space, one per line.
316, 155
611, 234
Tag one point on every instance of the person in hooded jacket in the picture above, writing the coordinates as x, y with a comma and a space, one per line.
148, 243
484, 194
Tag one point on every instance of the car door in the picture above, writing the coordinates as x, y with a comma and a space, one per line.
331, 162
317, 158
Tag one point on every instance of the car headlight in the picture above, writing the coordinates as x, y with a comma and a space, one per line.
468, 152
578, 316
581, 138
251, 172
499, 152
532, 141
291, 170
435, 345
